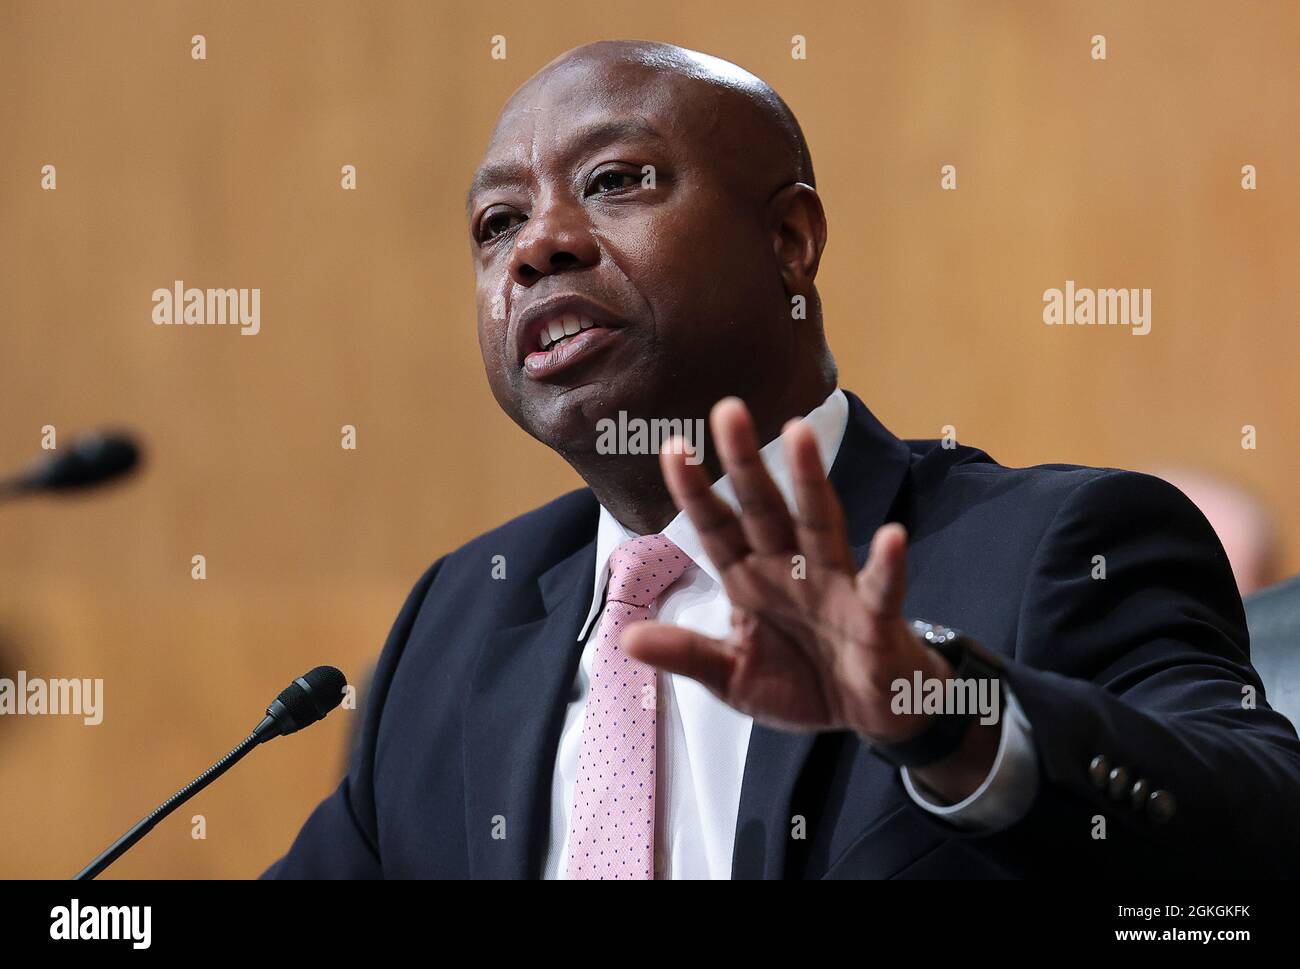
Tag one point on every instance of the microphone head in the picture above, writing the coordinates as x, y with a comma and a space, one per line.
92, 460
307, 699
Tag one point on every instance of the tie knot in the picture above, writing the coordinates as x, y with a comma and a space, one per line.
642, 568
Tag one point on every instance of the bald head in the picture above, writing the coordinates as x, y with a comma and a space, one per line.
774, 140
777, 130
646, 233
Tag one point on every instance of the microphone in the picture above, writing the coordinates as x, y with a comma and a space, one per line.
92, 460
300, 704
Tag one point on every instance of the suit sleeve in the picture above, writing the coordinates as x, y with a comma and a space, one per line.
1132, 665
340, 839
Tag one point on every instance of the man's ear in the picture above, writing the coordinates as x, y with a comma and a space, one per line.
798, 225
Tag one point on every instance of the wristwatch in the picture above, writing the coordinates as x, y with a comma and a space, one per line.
946, 730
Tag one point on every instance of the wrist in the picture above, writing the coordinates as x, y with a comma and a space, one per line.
902, 694
960, 774
936, 709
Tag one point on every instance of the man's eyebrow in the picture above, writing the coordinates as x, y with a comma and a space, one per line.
582, 141
490, 176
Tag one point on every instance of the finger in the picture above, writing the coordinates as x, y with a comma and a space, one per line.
677, 650
819, 524
763, 512
882, 583
716, 524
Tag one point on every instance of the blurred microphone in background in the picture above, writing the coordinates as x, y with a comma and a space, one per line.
93, 460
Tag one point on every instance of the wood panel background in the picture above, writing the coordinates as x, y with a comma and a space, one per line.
225, 173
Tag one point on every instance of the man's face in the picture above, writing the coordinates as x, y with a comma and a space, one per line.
663, 298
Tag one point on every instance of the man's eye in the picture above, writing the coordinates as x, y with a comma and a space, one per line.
497, 223
613, 179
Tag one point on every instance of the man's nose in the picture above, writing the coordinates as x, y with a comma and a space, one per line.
556, 238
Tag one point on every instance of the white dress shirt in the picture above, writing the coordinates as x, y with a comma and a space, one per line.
703, 742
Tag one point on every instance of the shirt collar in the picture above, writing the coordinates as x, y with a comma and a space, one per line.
828, 421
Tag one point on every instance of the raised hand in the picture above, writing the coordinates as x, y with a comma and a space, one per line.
812, 646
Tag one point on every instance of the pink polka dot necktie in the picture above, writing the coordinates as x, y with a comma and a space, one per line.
612, 826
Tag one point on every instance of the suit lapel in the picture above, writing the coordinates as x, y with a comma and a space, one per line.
867, 475
514, 712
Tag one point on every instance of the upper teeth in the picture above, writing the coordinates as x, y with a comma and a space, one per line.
562, 326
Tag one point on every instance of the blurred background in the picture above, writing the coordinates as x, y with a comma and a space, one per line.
225, 172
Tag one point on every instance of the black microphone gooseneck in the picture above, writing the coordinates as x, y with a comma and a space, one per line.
304, 701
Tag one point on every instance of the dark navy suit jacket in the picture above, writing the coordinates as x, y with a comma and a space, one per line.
1148, 668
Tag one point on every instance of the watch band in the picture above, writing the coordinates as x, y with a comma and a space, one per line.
946, 731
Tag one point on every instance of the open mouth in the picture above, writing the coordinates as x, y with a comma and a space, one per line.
554, 357
558, 331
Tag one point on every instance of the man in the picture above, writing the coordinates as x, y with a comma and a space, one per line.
646, 234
